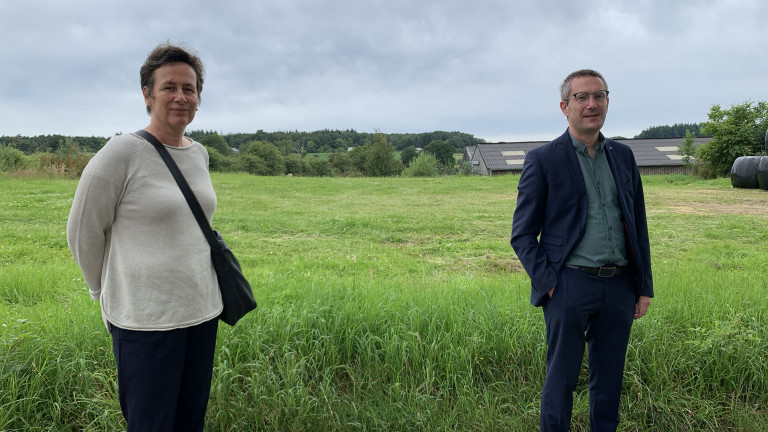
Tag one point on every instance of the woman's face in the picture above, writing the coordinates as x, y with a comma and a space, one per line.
173, 100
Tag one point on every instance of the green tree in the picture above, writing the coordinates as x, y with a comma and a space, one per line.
340, 145
381, 161
408, 154
273, 160
215, 160
456, 142
358, 156
216, 141
686, 148
442, 151
287, 147
737, 131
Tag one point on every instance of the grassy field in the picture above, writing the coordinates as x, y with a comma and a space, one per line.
397, 305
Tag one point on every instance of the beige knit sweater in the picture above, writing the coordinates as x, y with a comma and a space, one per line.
136, 241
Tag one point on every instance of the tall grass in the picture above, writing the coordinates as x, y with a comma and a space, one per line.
397, 304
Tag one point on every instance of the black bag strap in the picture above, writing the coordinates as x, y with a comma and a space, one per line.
194, 204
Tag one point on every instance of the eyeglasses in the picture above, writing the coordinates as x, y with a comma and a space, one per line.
600, 96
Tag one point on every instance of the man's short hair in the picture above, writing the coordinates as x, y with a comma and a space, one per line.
565, 87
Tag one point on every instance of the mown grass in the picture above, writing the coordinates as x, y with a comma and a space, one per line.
397, 304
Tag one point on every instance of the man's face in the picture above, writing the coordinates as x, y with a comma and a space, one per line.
588, 117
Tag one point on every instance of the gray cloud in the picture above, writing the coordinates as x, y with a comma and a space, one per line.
490, 68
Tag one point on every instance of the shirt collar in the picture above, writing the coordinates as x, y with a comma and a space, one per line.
581, 148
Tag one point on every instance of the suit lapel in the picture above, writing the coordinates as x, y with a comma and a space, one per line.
617, 174
565, 147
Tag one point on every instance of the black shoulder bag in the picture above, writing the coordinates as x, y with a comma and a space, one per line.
236, 293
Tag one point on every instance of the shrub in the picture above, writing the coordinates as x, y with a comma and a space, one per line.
252, 164
67, 161
320, 167
425, 165
704, 170
217, 161
295, 165
343, 164
11, 159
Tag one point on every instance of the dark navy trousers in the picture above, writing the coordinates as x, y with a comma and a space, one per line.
598, 312
164, 377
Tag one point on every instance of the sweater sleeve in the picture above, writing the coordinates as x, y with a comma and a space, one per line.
98, 194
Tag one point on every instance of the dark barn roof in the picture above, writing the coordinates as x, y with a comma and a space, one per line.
653, 155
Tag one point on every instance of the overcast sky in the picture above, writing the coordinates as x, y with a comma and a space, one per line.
490, 68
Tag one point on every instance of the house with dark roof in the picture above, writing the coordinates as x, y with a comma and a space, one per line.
654, 156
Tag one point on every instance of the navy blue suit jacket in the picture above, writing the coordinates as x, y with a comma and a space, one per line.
551, 213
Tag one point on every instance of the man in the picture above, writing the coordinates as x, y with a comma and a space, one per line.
580, 232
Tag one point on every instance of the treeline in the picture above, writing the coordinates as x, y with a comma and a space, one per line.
51, 143
334, 141
322, 141
284, 153
736, 131
373, 157
677, 130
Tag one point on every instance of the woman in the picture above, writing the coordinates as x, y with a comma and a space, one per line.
144, 257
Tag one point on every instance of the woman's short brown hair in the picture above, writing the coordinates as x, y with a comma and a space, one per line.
167, 53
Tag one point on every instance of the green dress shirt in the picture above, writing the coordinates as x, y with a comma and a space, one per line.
603, 241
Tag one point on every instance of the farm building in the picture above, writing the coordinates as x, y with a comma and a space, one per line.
654, 156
